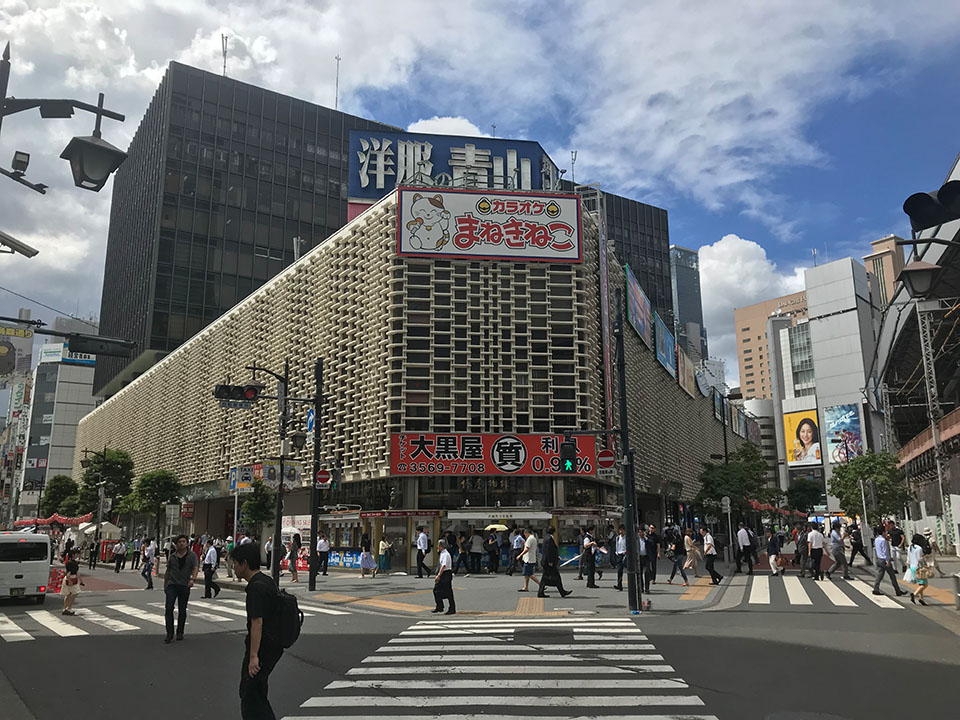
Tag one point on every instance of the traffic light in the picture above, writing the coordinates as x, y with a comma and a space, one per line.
568, 456
239, 393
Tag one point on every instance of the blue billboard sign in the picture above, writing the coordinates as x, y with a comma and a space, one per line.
380, 161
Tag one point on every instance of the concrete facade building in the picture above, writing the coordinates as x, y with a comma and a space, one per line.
751, 329
414, 345
220, 179
687, 304
884, 265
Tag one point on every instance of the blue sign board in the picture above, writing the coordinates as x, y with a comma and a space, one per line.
666, 345
311, 417
379, 161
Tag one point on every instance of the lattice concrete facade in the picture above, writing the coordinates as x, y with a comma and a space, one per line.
408, 345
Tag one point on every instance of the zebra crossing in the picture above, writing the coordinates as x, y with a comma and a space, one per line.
791, 590
573, 668
203, 616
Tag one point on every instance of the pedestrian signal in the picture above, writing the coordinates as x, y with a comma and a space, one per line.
568, 456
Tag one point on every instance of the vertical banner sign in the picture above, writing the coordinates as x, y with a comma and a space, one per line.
605, 316
638, 308
666, 345
842, 430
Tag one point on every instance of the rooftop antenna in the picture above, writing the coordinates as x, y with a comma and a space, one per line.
573, 165
336, 96
297, 247
814, 251
494, 128
223, 42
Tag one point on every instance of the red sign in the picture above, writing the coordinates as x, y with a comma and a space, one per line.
186, 511
486, 454
606, 459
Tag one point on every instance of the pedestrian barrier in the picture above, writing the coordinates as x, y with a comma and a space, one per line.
56, 580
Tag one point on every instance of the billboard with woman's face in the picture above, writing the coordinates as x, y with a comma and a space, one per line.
802, 438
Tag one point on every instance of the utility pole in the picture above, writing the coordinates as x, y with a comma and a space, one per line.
314, 490
278, 519
634, 592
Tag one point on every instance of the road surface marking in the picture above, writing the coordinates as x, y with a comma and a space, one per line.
760, 591
210, 603
561, 670
52, 622
542, 700
836, 595
795, 592
592, 716
576, 626
323, 610
543, 657
104, 621
138, 613
11, 632
518, 622
513, 647
698, 590
192, 612
879, 600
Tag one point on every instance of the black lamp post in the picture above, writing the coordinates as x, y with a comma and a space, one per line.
92, 159
919, 278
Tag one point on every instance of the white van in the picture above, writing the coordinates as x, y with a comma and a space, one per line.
24, 565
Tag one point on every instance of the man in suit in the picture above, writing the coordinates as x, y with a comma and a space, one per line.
551, 565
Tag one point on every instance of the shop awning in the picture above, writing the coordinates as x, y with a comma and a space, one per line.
497, 514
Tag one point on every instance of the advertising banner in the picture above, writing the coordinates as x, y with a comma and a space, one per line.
686, 373
16, 352
486, 454
382, 160
666, 345
717, 405
638, 308
841, 427
801, 438
488, 225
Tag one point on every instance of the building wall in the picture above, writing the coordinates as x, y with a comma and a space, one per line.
752, 357
74, 399
884, 265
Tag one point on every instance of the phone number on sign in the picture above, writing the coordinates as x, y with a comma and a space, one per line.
441, 468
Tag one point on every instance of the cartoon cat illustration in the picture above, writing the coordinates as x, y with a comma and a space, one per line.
430, 227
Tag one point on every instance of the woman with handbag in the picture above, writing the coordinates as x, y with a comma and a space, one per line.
692, 552
71, 584
919, 569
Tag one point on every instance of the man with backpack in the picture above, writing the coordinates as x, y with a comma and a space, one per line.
265, 633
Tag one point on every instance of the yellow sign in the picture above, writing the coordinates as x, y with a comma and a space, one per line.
801, 438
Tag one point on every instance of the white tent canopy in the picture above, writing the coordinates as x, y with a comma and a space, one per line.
108, 531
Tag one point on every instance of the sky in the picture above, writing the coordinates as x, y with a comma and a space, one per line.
766, 130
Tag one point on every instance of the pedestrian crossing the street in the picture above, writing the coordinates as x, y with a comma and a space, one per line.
571, 668
808, 594
18, 624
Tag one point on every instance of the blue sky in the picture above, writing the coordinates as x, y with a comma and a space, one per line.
765, 129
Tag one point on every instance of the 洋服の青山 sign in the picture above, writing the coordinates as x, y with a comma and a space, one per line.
486, 454
483, 224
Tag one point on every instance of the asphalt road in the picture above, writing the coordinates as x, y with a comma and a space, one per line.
775, 661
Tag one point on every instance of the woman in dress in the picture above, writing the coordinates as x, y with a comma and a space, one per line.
383, 563
919, 570
692, 551
366, 557
293, 555
71, 584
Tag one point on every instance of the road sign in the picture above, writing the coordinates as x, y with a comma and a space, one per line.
606, 459
172, 512
186, 511
725, 503
311, 417
233, 479
606, 472
245, 479
236, 405
322, 478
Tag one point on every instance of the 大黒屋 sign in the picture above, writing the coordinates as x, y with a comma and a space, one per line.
486, 454
480, 224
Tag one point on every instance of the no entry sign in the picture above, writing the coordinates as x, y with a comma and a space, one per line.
322, 479
606, 459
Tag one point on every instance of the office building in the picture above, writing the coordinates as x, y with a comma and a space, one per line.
884, 263
751, 328
224, 184
687, 305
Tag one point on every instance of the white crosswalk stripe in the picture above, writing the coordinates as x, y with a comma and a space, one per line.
11, 632
52, 622
452, 670
806, 594
139, 614
242, 604
191, 612
104, 621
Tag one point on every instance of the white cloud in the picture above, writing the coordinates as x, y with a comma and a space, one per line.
447, 126
735, 273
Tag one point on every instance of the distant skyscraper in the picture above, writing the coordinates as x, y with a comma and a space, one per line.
884, 264
752, 353
687, 305
221, 178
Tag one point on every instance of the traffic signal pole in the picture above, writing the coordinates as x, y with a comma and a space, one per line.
278, 519
634, 591
314, 490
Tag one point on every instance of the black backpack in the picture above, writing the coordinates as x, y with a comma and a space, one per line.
289, 619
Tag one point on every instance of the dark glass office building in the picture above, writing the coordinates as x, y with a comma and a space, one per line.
224, 181
687, 303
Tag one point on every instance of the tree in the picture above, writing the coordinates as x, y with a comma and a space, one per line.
741, 479
152, 491
804, 494
883, 484
70, 506
258, 508
116, 470
58, 488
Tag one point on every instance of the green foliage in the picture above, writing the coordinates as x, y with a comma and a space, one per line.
58, 488
741, 479
804, 494
258, 508
116, 470
70, 506
151, 492
883, 483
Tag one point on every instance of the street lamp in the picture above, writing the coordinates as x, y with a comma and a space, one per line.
919, 278
92, 159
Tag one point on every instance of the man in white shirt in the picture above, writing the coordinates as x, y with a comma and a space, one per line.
119, 555
516, 544
837, 550
620, 556
745, 544
268, 549
423, 547
323, 552
529, 557
209, 566
149, 556
815, 541
710, 553
476, 551
442, 583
